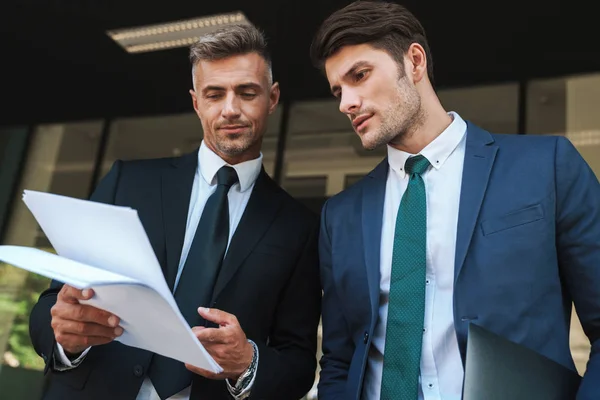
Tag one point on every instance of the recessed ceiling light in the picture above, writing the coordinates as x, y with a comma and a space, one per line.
172, 34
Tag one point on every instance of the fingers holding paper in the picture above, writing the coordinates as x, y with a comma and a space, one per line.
227, 344
78, 326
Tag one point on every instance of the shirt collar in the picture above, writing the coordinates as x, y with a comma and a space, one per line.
436, 152
210, 163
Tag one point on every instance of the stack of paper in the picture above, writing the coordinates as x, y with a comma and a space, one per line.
105, 248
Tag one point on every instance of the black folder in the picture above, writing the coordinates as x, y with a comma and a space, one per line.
498, 369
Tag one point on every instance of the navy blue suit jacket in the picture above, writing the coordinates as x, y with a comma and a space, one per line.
528, 245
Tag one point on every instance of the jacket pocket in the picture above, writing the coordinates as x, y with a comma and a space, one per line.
512, 219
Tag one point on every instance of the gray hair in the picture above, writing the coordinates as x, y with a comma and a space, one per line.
231, 41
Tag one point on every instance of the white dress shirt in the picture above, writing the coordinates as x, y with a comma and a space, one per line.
205, 183
441, 371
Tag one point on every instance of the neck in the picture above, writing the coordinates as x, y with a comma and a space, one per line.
431, 123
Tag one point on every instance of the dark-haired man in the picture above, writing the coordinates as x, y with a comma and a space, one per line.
239, 253
455, 226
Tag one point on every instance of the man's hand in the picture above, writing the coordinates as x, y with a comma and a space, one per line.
227, 344
79, 326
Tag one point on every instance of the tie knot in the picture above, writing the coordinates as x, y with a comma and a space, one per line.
416, 165
227, 176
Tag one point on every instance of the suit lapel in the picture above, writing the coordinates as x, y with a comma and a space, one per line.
372, 218
177, 182
480, 153
262, 207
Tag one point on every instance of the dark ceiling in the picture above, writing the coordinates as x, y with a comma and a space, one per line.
59, 65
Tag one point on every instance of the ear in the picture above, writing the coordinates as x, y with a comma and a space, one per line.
194, 101
417, 62
274, 97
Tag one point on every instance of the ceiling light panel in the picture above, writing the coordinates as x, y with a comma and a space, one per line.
173, 34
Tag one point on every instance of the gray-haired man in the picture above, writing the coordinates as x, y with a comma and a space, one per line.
239, 253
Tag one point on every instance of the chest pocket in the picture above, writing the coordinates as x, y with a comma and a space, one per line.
512, 220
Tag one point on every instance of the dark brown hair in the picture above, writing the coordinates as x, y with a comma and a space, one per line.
386, 26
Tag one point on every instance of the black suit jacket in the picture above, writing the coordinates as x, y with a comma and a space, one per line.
269, 280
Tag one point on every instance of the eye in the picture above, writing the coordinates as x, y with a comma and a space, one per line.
248, 95
213, 96
360, 75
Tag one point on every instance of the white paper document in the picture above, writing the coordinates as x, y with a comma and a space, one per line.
105, 247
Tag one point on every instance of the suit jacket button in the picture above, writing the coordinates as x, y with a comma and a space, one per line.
366, 338
138, 371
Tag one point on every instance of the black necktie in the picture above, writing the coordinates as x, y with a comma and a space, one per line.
197, 281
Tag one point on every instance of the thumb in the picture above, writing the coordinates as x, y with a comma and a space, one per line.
72, 295
217, 316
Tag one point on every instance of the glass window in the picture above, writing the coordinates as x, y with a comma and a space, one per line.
493, 108
568, 106
321, 143
152, 137
582, 117
60, 159
546, 111
306, 187
271, 140
13, 144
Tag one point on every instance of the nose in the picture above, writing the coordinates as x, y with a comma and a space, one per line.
231, 107
349, 102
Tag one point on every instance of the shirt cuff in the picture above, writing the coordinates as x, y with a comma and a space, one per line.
63, 363
244, 383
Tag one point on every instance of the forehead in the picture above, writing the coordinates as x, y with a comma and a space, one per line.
243, 68
343, 60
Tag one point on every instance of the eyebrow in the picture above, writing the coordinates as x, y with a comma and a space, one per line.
241, 86
249, 85
357, 65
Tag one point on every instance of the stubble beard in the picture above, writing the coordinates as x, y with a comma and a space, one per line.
235, 145
399, 120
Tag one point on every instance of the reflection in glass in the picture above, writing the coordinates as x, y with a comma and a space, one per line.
60, 160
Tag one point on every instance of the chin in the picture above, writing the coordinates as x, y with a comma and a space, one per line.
369, 145
370, 140
235, 146
233, 150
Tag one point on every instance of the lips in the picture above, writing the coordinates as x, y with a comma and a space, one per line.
358, 122
233, 128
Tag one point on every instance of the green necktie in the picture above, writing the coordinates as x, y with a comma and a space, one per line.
406, 307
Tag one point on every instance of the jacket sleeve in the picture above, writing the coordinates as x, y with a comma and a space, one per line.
578, 246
